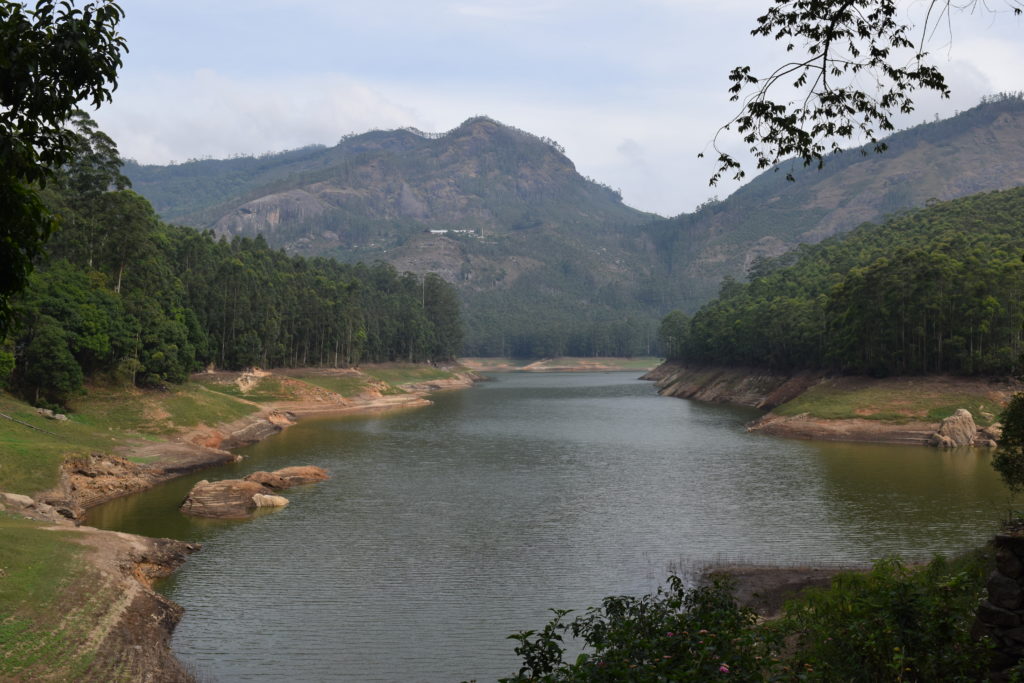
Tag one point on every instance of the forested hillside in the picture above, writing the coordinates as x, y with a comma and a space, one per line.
547, 262
975, 151
937, 290
124, 297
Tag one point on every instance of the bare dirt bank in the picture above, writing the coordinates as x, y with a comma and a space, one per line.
893, 410
134, 633
806, 426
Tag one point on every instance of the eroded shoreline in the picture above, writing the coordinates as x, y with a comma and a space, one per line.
893, 410
135, 630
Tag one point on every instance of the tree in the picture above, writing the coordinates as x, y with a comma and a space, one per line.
856, 64
51, 58
1009, 459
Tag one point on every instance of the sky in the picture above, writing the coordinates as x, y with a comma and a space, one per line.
634, 90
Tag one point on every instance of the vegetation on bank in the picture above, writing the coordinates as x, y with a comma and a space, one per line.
895, 401
48, 631
936, 290
894, 623
129, 300
105, 418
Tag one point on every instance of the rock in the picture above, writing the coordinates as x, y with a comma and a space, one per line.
993, 432
45, 412
268, 479
60, 417
996, 616
16, 501
1009, 564
289, 476
263, 500
227, 499
958, 429
1004, 592
251, 433
939, 441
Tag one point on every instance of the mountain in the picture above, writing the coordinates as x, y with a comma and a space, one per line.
502, 213
548, 262
975, 151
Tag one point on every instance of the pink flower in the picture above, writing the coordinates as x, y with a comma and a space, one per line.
670, 634
724, 669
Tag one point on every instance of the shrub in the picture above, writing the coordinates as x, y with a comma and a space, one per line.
675, 634
894, 623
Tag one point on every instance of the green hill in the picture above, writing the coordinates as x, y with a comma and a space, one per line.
550, 263
937, 290
975, 151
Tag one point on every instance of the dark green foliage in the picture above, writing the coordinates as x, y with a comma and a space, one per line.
931, 291
46, 364
835, 47
1008, 460
675, 634
941, 159
895, 623
126, 297
672, 334
54, 57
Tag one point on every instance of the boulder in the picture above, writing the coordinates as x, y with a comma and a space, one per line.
263, 500
993, 432
958, 429
227, 499
16, 501
289, 476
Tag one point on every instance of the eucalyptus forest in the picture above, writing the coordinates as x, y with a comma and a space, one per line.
936, 290
123, 296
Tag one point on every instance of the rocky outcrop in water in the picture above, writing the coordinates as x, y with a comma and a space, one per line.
959, 429
239, 498
289, 476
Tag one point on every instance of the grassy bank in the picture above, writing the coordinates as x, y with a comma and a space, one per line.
48, 632
900, 400
109, 420
103, 420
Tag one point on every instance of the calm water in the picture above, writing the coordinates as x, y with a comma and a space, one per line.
446, 528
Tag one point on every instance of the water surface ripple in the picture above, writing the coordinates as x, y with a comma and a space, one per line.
445, 529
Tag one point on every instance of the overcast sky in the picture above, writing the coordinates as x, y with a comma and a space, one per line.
633, 89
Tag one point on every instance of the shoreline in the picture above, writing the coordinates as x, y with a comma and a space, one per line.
138, 626
908, 411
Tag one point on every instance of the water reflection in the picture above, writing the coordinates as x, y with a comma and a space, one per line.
445, 529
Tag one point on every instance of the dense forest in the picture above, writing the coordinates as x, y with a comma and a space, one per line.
122, 296
937, 290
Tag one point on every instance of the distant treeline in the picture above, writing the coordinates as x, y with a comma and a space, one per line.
938, 290
122, 295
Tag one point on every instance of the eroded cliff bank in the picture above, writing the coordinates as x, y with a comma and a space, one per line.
896, 410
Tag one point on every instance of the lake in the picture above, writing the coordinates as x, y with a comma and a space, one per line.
444, 529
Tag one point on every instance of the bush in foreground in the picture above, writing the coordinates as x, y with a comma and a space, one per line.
894, 623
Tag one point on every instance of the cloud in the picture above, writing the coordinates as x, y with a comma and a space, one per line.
634, 91
206, 114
